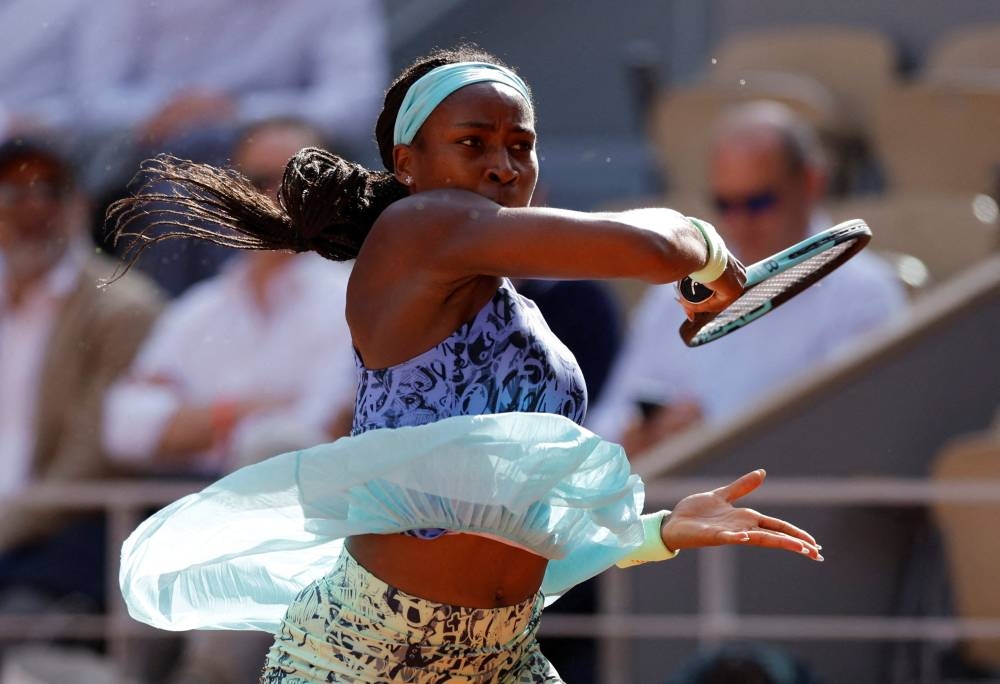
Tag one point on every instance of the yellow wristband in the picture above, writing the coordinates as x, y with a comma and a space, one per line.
718, 253
653, 548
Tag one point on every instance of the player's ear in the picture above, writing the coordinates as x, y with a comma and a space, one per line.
403, 163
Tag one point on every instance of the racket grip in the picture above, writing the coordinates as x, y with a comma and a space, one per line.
693, 292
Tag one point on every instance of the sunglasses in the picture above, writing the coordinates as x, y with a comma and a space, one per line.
754, 204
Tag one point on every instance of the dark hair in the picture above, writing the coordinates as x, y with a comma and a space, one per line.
23, 148
325, 204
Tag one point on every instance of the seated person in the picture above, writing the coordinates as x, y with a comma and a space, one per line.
239, 368
142, 90
768, 178
63, 342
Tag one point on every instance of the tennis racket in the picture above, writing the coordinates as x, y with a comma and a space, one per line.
774, 280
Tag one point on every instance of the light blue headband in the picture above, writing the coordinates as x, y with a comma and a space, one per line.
430, 89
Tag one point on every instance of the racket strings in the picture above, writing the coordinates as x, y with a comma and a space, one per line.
778, 287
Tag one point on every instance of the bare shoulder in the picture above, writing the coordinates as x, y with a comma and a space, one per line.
406, 244
399, 300
405, 240
431, 215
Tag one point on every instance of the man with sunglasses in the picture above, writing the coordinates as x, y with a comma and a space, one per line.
62, 342
767, 181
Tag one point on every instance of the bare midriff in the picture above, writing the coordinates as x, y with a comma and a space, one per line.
456, 569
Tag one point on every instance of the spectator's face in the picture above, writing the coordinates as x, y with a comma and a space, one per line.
38, 213
481, 138
762, 205
262, 158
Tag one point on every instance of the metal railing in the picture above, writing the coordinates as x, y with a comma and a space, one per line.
613, 625
717, 619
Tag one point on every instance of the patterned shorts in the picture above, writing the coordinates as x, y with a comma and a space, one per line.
351, 626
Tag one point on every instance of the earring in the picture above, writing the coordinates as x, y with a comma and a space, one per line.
408, 180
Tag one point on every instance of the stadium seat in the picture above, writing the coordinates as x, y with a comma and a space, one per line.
967, 532
968, 55
939, 138
947, 232
854, 64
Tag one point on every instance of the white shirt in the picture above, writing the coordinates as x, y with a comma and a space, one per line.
326, 61
215, 343
24, 337
729, 374
38, 43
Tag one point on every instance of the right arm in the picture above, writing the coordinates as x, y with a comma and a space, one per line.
454, 235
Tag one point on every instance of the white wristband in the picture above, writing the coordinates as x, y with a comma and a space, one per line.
718, 254
653, 548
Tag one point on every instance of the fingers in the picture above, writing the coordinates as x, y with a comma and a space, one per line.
742, 486
772, 540
777, 525
702, 312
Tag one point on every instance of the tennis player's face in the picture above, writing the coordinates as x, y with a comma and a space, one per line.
480, 138
762, 205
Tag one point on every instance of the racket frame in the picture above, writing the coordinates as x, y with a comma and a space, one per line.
854, 229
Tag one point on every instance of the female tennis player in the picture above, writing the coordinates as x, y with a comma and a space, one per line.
468, 494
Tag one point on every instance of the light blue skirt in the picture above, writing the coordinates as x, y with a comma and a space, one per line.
236, 554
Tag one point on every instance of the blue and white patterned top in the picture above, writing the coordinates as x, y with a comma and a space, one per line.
505, 359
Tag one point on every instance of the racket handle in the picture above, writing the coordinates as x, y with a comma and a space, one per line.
693, 292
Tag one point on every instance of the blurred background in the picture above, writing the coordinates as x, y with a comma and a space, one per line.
873, 402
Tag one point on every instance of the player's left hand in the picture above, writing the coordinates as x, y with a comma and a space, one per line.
710, 519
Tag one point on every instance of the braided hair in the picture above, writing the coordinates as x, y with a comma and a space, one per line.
325, 204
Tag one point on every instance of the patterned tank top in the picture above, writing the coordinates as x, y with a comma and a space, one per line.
505, 359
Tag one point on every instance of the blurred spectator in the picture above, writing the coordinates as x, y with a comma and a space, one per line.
252, 362
744, 664
166, 69
62, 342
38, 41
767, 179
180, 77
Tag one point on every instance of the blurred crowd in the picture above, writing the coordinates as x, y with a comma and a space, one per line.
200, 360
